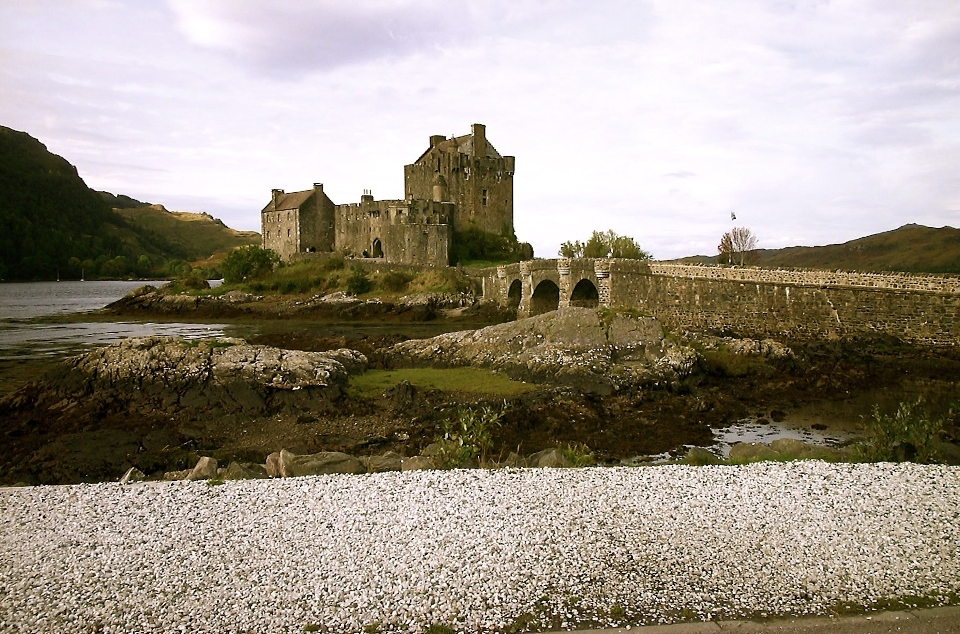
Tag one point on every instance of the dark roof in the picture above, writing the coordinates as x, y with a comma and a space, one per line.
462, 144
289, 200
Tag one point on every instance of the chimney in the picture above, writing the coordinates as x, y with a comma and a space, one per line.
479, 140
277, 194
436, 139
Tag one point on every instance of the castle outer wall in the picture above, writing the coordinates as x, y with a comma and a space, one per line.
787, 304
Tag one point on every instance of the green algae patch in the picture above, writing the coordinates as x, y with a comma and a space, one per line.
472, 380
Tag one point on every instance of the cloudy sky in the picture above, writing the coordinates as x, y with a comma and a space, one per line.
815, 122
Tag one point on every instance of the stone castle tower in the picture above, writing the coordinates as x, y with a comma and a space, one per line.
469, 172
456, 184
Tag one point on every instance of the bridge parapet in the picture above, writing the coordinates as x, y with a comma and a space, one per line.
948, 284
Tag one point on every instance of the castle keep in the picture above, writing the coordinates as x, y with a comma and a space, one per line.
456, 184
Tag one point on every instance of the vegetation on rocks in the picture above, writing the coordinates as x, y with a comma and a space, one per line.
910, 434
468, 438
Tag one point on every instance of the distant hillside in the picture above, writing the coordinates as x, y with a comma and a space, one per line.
193, 236
52, 224
911, 248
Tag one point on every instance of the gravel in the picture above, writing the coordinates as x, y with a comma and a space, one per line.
476, 550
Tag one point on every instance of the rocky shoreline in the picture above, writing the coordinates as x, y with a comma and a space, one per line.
612, 384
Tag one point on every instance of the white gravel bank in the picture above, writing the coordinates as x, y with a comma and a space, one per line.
475, 549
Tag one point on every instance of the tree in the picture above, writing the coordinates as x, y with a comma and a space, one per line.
604, 244
737, 246
247, 262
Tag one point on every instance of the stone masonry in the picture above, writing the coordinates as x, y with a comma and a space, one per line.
750, 302
456, 184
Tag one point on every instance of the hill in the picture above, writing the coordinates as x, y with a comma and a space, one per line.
192, 236
911, 248
52, 224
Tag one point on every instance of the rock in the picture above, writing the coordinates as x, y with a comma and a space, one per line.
752, 452
513, 460
400, 395
132, 475
318, 464
389, 461
239, 297
272, 465
205, 469
170, 476
949, 453
432, 450
236, 471
171, 374
571, 346
777, 416
548, 458
700, 456
140, 291
417, 463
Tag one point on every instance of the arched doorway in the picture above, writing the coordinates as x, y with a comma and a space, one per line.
585, 295
546, 297
377, 249
514, 294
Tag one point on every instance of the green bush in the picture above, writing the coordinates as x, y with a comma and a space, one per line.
604, 244
911, 434
186, 284
359, 282
469, 437
395, 281
577, 454
473, 245
247, 262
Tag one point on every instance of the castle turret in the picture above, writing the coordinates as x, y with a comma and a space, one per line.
479, 139
440, 194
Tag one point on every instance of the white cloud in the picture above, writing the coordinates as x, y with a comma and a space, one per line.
815, 122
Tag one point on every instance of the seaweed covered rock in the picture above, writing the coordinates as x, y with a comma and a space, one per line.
581, 347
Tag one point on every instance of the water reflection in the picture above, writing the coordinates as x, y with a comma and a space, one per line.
31, 341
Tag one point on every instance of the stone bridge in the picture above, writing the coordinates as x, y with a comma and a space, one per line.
539, 286
755, 302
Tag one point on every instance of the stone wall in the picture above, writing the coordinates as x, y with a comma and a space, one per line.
802, 277
790, 304
402, 231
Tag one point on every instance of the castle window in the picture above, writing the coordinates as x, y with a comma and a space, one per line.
483, 197
288, 217
288, 233
438, 163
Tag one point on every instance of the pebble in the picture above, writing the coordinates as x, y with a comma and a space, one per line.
476, 550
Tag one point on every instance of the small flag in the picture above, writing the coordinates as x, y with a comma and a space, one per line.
733, 216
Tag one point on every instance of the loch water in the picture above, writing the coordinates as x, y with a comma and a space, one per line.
51, 319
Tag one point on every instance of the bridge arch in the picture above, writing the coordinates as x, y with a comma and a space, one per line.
545, 298
585, 294
515, 294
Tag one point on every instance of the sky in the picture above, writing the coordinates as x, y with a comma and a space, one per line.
813, 122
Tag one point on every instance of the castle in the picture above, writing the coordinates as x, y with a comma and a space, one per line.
456, 184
